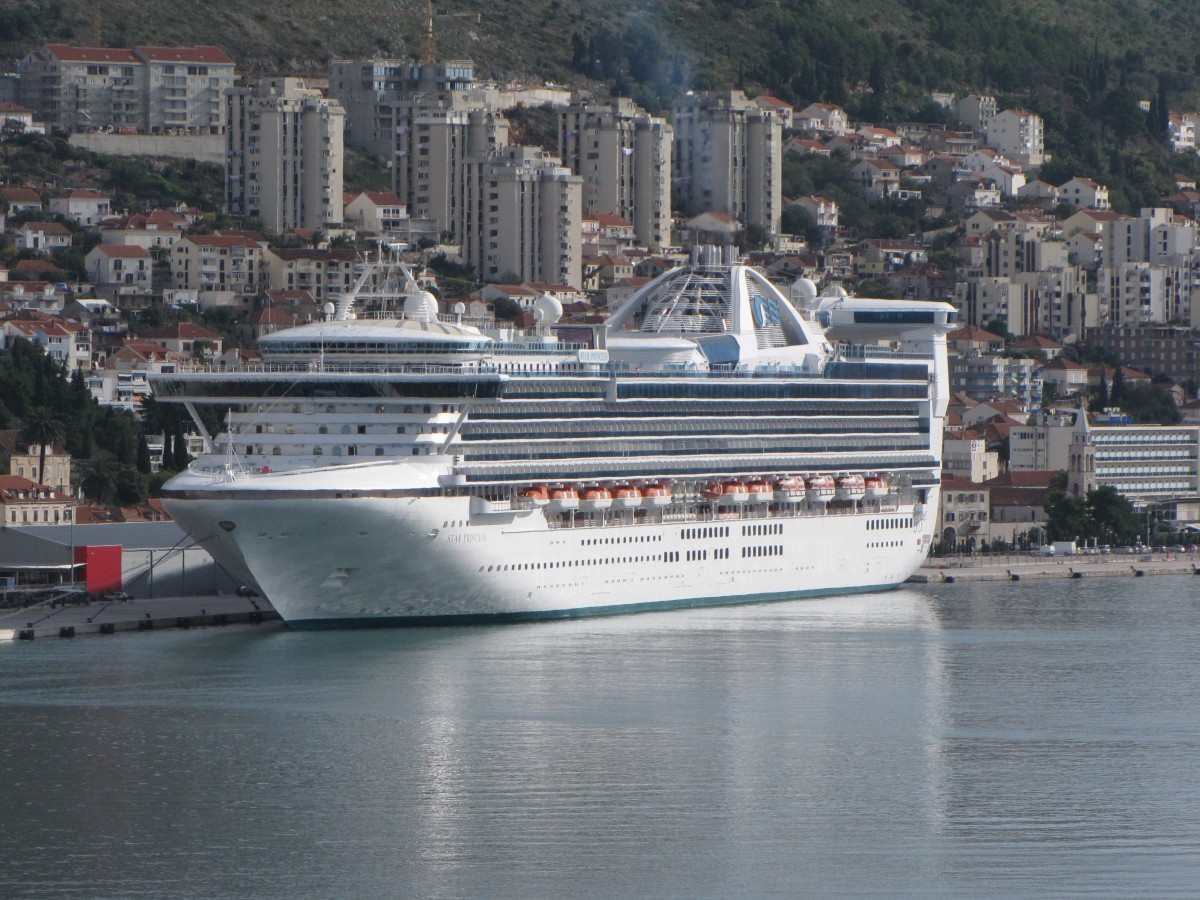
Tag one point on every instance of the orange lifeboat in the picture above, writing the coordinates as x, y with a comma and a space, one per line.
655, 494
821, 488
760, 491
564, 497
535, 496
851, 487
877, 486
790, 489
626, 496
733, 493
596, 497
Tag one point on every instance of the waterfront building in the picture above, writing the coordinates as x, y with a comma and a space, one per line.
965, 511
1145, 463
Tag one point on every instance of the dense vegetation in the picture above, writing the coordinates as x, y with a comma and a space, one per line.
108, 446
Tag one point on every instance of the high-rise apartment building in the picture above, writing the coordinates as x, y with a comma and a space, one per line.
522, 215
285, 155
432, 139
623, 155
148, 89
367, 88
728, 157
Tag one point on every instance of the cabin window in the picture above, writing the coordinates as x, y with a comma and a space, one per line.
276, 451
415, 451
318, 451
346, 429
428, 408
323, 430
352, 451
362, 429
400, 429
291, 429
337, 451
379, 451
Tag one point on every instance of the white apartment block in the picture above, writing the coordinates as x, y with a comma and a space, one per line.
285, 161
623, 155
1139, 293
1053, 301
522, 215
976, 110
728, 157
969, 458
217, 262
1041, 446
1084, 193
1155, 236
1181, 130
996, 377
326, 274
432, 139
146, 89
366, 88
1143, 462
1018, 134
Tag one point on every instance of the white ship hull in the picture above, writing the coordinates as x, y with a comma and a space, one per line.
423, 560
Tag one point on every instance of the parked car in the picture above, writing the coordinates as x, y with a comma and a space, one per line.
118, 597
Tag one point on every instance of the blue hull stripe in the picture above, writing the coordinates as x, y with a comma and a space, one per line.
584, 612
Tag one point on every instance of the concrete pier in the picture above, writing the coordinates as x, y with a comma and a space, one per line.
110, 617
1025, 567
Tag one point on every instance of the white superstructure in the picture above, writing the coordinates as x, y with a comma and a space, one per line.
713, 442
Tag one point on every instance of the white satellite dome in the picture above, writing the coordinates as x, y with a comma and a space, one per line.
550, 308
804, 291
421, 306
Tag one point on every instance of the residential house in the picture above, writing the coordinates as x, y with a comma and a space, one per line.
159, 228
972, 339
65, 341
822, 117
602, 272
784, 112
878, 177
24, 502
217, 262
973, 193
44, 237
976, 110
963, 517
21, 200
823, 212
1084, 193
1067, 378
1019, 135
1038, 192
82, 206
187, 339
24, 460
878, 255
115, 264
325, 273
380, 212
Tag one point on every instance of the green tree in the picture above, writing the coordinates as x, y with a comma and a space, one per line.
42, 428
1113, 515
1068, 517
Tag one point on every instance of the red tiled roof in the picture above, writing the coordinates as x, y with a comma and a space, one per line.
121, 251
20, 195
203, 53
183, 331
70, 53
50, 228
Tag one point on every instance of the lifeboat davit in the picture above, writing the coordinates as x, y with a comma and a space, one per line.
658, 495
564, 498
760, 491
733, 493
626, 496
877, 486
596, 498
821, 488
790, 489
851, 487
536, 496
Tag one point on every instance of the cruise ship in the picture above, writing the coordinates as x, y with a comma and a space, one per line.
717, 440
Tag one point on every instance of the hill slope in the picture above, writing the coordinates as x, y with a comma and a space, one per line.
796, 48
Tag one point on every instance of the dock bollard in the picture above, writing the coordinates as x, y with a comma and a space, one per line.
67, 631
146, 625
183, 622
108, 628
25, 634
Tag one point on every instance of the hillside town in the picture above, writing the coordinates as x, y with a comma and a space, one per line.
1077, 320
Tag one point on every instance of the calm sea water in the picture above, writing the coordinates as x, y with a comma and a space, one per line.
1040, 738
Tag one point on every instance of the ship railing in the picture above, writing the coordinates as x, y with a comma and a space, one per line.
568, 369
